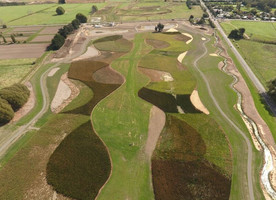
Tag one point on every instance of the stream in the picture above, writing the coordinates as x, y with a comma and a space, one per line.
268, 160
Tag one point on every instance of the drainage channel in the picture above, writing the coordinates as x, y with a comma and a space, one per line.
268, 160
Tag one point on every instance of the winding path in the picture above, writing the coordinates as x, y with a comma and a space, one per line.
249, 146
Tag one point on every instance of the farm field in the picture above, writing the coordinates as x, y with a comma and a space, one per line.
260, 56
43, 14
12, 71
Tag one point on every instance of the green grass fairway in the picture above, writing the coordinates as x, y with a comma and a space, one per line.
17, 15
255, 30
13, 71
121, 120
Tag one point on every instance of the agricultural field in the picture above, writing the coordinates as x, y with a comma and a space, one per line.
260, 56
43, 14
12, 71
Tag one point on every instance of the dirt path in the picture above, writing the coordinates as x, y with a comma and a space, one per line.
156, 123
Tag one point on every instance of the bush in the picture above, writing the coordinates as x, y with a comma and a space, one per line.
94, 9
57, 42
4, 26
237, 34
61, 1
82, 18
13, 38
60, 10
6, 112
75, 23
16, 95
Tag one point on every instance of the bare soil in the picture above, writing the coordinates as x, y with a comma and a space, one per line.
155, 75
50, 30
43, 38
197, 102
22, 51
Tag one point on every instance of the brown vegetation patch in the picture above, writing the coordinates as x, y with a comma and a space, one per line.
154, 75
22, 51
157, 44
181, 37
43, 38
108, 75
179, 168
174, 180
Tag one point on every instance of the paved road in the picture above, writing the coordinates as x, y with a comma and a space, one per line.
249, 146
12, 137
245, 66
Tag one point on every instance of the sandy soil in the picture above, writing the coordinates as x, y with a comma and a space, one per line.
90, 53
43, 38
197, 102
172, 30
28, 105
220, 65
65, 93
156, 75
188, 35
213, 54
22, 51
156, 123
181, 56
203, 38
53, 71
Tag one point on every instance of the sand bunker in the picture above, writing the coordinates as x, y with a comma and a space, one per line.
181, 56
156, 123
156, 75
53, 71
203, 38
188, 35
90, 53
213, 54
172, 30
63, 92
197, 102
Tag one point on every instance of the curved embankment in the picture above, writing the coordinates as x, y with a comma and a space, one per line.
80, 165
187, 162
268, 166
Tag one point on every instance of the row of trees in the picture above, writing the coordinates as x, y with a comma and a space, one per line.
11, 100
62, 34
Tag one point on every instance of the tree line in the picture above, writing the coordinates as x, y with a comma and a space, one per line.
11, 100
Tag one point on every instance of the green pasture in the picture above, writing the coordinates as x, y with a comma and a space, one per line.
261, 58
44, 14
254, 29
13, 71
121, 120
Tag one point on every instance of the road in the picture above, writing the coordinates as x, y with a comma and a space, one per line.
13, 136
261, 89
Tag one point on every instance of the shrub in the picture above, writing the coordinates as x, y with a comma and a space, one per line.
61, 1
94, 9
60, 10
4, 26
57, 42
13, 38
75, 23
82, 18
6, 112
16, 95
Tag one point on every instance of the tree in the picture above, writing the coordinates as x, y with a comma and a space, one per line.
60, 10
205, 15
191, 19
75, 23
94, 9
201, 21
237, 34
253, 11
159, 27
13, 38
82, 18
57, 42
4, 26
238, 6
272, 89
6, 112
61, 1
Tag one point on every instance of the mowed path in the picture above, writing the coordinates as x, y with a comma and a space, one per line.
121, 120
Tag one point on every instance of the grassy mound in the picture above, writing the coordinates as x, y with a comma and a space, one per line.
179, 167
16, 95
80, 165
6, 112
113, 43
